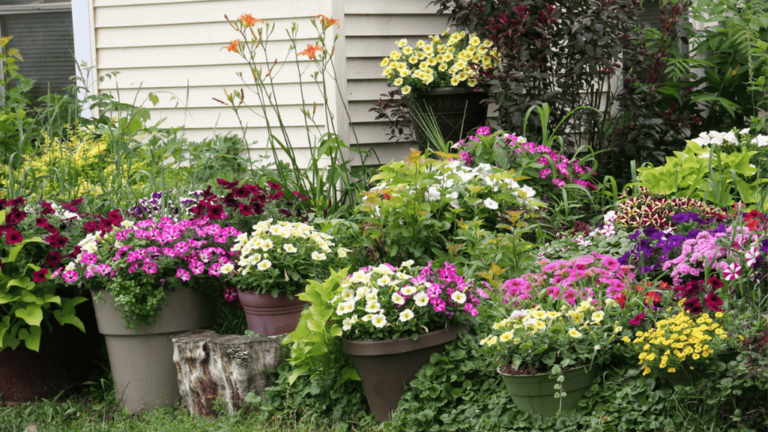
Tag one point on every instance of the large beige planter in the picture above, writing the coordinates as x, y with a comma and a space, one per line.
142, 359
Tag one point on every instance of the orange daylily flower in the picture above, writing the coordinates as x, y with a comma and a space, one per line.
234, 46
327, 22
249, 21
311, 50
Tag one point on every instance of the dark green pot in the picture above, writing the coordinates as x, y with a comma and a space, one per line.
536, 393
692, 377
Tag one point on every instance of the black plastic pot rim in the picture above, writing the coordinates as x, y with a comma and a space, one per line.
369, 348
441, 91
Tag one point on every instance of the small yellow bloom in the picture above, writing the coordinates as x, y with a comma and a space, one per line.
405, 90
671, 370
407, 50
574, 333
384, 62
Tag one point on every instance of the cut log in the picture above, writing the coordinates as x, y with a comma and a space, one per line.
197, 388
243, 364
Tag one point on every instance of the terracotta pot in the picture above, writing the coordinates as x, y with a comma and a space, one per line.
386, 367
142, 359
535, 393
457, 111
271, 316
66, 357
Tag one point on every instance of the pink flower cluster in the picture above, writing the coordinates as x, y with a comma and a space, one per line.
561, 168
582, 278
441, 285
708, 251
172, 249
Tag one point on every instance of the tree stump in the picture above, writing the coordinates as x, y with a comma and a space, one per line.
210, 366
196, 387
243, 364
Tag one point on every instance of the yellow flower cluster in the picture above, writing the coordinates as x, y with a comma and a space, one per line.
677, 339
439, 63
523, 324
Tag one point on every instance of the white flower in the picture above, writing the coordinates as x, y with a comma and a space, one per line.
609, 217
406, 315
347, 295
70, 266
384, 280
398, 299
348, 322
520, 313
408, 290
226, 268
266, 245
342, 252
761, 140
344, 308
372, 306
264, 265
367, 318
432, 194
421, 299
744, 131
528, 191
459, 297
407, 264
290, 248
379, 321
581, 241
317, 256
491, 204
127, 223
730, 137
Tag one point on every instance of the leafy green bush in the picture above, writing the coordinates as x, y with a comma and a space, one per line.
719, 171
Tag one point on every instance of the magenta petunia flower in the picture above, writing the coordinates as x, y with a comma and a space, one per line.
732, 272
183, 275
230, 294
637, 320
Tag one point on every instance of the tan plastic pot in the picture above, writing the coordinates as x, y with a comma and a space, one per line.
386, 367
271, 316
142, 359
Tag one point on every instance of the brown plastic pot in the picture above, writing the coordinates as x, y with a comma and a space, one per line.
142, 359
386, 367
66, 357
271, 316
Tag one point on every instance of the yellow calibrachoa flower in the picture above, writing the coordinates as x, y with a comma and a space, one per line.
447, 60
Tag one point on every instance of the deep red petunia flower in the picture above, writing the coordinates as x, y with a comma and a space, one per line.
39, 276
13, 237
637, 320
713, 302
53, 259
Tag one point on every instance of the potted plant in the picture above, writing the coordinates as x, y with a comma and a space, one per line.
439, 79
34, 309
549, 356
394, 319
275, 262
148, 280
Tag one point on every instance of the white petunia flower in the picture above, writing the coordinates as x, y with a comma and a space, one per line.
379, 321
491, 204
459, 297
317, 256
421, 299
406, 315
398, 299
264, 265
290, 248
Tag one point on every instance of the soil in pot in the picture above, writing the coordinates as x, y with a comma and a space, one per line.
534, 392
386, 367
271, 316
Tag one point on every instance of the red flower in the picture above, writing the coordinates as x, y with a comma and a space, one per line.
246, 210
274, 186
715, 283
241, 192
115, 218
216, 212
17, 202
39, 276
41, 222
622, 300
713, 302
47, 208
227, 185
91, 226
53, 259
693, 305
13, 237
303, 198
57, 241
637, 320
652, 298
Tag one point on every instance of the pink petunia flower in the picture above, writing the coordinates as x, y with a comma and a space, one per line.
183, 275
732, 272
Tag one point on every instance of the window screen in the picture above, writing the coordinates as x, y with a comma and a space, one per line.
46, 42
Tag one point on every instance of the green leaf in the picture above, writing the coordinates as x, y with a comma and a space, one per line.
31, 337
32, 314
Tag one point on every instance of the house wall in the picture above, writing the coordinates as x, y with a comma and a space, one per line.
173, 48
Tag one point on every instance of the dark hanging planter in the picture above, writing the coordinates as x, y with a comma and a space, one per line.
536, 393
457, 111
271, 316
67, 357
387, 366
